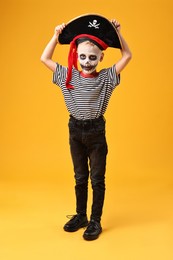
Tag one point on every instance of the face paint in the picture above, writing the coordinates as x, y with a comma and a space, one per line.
89, 56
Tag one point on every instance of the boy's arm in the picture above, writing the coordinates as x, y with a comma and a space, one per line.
125, 51
47, 54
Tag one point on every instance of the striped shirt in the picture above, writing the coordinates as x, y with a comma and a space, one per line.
90, 96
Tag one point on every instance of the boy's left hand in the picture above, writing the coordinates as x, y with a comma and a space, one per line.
116, 24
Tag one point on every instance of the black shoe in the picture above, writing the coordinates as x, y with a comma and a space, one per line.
93, 230
76, 222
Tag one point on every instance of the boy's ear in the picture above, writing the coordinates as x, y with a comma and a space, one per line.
102, 56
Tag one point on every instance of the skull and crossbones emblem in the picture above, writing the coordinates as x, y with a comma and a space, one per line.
94, 24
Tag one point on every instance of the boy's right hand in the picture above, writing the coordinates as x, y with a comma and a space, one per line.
59, 29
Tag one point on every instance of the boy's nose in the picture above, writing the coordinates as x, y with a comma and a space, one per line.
87, 61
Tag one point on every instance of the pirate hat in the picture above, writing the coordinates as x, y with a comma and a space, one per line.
91, 24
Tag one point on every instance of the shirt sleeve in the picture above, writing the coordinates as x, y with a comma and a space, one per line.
59, 76
114, 78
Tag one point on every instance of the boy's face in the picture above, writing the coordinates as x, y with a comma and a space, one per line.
89, 56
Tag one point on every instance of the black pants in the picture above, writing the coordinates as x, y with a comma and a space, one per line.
89, 149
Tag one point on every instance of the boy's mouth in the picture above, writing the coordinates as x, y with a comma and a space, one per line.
88, 68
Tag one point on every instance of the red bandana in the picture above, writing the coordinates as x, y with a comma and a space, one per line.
72, 57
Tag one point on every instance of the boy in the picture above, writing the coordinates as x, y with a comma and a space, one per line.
86, 95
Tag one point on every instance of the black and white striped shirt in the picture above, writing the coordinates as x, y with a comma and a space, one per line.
90, 96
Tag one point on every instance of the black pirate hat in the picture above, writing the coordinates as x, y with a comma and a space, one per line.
91, 24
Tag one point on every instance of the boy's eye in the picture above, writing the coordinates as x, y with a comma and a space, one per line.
82, 56
92, 57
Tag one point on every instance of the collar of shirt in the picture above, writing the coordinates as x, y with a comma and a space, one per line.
92, 75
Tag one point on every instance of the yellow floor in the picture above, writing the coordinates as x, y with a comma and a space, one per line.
137, 221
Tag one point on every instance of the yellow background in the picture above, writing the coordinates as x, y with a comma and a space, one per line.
36, 175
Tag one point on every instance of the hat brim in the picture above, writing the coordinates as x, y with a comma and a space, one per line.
92, 24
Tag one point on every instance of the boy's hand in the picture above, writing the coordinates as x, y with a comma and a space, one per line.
59, 29
116, 24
